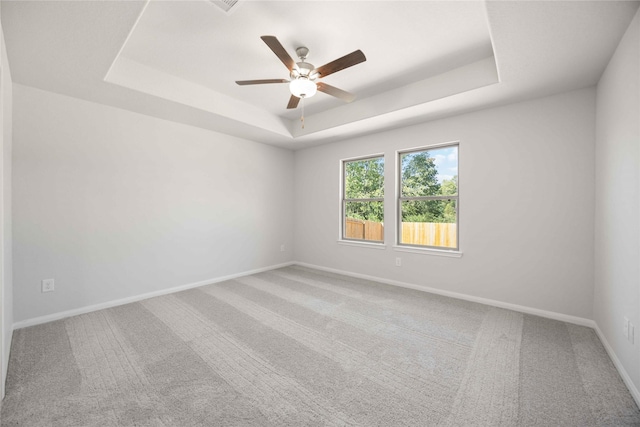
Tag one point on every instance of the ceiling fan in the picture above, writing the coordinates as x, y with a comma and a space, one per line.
303, 75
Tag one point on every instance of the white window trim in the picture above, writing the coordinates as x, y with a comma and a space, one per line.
341, 222
362, 244
427, 250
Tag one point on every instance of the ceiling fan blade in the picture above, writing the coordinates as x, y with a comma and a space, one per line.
280, 51
293, 102
260, 82
346, 61
334, 91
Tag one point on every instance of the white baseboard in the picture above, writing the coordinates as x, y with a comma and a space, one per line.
88, 309
486, 301
623, 372
5, 363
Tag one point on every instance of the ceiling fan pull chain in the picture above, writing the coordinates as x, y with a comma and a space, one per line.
302, 116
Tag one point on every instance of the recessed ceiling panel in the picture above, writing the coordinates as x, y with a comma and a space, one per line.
404, 42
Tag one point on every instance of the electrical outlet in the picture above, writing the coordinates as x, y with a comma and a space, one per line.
398, 262
631, 331
281, 248
625, 328
48, 285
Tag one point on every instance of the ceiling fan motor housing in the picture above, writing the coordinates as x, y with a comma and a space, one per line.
303, 69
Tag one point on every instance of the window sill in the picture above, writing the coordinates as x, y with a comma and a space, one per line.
362, 244
428, 251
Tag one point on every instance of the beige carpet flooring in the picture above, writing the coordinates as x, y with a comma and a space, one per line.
299, 347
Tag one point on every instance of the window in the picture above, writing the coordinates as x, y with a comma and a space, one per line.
363, 199
428, 197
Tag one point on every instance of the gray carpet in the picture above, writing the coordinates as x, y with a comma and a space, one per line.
298, 347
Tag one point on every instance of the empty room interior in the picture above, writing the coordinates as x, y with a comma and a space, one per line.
313, 213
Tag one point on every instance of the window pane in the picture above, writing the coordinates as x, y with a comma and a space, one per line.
364, 179
429, 173
429, 223
364, 221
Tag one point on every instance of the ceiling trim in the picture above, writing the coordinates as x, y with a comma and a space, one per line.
131, 74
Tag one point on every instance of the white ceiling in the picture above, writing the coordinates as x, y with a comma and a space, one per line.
178, 60
198, 43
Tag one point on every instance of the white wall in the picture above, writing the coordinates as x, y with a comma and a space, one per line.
617, 213
113, 204
526, 205
6, 283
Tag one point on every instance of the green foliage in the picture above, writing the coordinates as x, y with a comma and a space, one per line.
449, 212
369, 211
429, 211
419, 175
421, 211
364, 179
449, 187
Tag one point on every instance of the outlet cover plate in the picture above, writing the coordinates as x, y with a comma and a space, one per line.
48, 285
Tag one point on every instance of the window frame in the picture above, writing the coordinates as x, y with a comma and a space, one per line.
399, 199
344, 200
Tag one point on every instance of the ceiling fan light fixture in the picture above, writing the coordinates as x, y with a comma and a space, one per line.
302, 87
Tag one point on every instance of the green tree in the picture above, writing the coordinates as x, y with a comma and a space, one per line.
449, 212
449, 187
364, 179
420, 178
419, 175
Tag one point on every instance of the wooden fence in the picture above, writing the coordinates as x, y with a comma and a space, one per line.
443, 235
413, 233
365, 230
